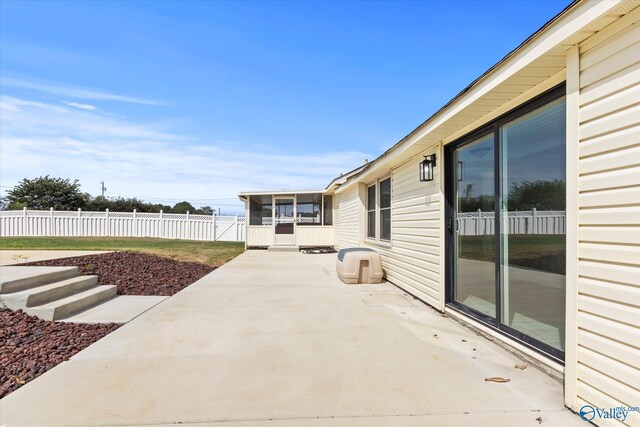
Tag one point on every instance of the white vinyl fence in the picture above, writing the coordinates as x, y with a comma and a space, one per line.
519, 222
121, 224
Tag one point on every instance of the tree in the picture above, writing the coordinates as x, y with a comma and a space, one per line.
183, 207
542, 195
206, 210
99, 203
45, 192
159, 207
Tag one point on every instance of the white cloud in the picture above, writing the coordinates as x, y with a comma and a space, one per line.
81, 106
145, 161
72, 91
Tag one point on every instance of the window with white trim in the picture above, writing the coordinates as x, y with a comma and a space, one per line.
379, 210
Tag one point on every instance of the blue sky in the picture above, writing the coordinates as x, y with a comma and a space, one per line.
199, 100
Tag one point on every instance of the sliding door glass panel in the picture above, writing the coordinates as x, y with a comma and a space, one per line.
473, 222
532, 238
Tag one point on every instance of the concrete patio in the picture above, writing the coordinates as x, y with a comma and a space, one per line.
277, 339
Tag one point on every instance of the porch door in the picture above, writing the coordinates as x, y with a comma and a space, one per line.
284, 221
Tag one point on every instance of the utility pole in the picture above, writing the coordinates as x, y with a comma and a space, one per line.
103, 188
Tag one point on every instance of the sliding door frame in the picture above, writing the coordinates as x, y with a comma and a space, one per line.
450, 201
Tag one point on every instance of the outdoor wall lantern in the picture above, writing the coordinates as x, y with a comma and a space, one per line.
426, 168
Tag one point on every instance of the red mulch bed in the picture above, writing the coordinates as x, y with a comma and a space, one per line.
136, 273
29, 346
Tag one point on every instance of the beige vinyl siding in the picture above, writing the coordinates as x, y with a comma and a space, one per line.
347, 218
608, 320
412, 262
314, 235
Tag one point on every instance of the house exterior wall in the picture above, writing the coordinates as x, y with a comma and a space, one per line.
259, 235
347, 218
412, 259
316, 235
608, 248
603, 222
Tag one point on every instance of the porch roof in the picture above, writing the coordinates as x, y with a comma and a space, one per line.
243, 195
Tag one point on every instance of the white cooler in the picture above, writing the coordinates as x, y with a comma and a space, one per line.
359, 265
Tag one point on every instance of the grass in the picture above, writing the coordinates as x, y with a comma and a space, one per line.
210, 253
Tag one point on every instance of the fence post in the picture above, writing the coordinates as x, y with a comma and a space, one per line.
215, 227
106, 212
80, 227
534, 218
135, 223
478, 222
50, 221
235, 223
188, 227
161, 234
24, 221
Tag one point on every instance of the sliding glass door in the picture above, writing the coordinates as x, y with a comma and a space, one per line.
506, 222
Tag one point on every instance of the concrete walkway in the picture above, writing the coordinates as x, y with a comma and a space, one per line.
17, 256
276, 339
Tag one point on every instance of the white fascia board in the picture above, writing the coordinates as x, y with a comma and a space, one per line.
279, 192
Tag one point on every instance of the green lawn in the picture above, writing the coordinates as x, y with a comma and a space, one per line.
211, 253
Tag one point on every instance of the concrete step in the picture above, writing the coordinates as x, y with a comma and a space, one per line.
16, 279
284, 248
73, 304
47, 293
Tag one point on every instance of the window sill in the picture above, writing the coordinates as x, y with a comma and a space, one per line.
379, 243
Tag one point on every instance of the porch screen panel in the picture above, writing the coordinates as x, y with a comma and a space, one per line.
328, 210
260, 210
309, 209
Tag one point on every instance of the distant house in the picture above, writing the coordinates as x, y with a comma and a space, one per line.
515, 207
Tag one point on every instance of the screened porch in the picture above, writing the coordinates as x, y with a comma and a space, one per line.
289, 219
